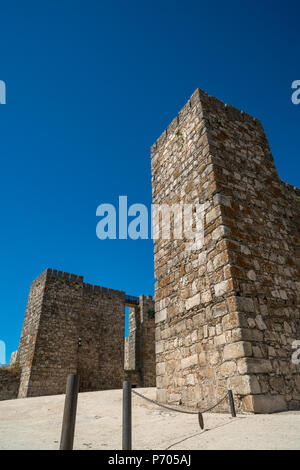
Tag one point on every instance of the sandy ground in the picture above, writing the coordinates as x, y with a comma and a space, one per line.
35, 423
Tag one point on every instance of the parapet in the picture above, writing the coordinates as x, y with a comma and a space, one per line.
93, 289
55, 274
74, 279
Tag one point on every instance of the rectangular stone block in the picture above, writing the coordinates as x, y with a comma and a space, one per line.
161, 315
254, 366
189, 361
192, 301
264, 403
244, 384
160, 368
236, 350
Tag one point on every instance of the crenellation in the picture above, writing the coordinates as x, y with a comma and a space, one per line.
87, 287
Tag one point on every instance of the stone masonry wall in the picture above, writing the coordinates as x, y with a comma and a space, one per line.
130, 342
28, 339
140, 344
147, 338
9, 383
74, 327
61, 309
227, 307
126, 354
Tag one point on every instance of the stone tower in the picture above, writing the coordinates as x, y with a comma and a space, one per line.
74, 327
227, 308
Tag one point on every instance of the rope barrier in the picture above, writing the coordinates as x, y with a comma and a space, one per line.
126, 421
175, 409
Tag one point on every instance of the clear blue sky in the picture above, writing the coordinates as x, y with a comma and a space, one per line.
90, 87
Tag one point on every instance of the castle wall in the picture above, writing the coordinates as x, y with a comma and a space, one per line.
111, 340
9, 383
74, 327
262, 220
30, 329
227, 309
61, 309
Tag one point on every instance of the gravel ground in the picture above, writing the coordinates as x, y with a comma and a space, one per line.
35, 423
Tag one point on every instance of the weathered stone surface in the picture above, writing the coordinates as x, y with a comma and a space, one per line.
254, 366
297, 381
228, 368
260, 323
192, 302
236, 350
264, 403
221, 288
161, 395
9, 382
74, 327
161, 315
240, 282
160, 368
189, 361
243, 384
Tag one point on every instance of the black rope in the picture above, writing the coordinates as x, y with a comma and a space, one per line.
179, 411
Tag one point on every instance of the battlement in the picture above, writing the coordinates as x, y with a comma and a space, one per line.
55, 274
93, 289
75, 279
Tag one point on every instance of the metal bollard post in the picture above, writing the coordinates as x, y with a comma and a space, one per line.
126, 431
231, 402
68, 426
